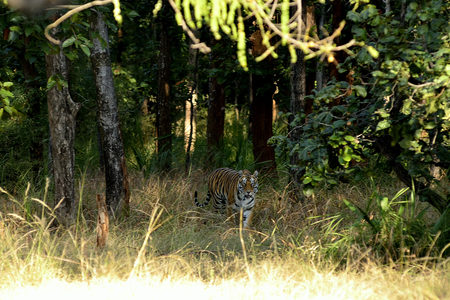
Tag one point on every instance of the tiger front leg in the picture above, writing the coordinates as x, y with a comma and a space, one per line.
243, 217
232, 216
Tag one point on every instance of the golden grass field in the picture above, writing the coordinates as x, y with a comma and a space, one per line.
169, 249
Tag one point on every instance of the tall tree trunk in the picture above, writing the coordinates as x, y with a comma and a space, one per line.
216, 109
117, 190
189, 121
62, 111
263, 89
163, 116
262, 121
339, 56
297, 105
319, 66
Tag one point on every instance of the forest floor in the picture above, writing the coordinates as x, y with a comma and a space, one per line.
167, 247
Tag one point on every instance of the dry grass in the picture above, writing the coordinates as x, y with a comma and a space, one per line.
290, 252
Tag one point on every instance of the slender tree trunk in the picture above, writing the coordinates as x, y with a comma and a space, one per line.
163, 115
319, 73
216, 109
62, 111
117, 191
263, 88
297, 105
250, 105
189, 121
340, 56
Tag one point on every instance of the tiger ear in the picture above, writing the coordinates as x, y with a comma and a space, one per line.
255, 174
241, 173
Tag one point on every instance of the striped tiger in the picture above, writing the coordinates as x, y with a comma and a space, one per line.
232, 191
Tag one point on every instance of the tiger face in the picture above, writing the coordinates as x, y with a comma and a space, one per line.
247, 187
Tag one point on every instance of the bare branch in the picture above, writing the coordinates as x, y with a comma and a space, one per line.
68, 14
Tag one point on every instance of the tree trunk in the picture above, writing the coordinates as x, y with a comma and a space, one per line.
263, 88
189, 121
319, 67
297, 105
163, 119
117, 191
62, 111
262, 121
216, 109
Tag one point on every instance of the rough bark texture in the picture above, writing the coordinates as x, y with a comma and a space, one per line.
263, 88
163, 119
216, 109
117, 191
297, 103
62, 111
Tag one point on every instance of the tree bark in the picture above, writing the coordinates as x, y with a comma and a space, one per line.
189, 121
216, 109
62, 111
117, 190
297, 103
163, 116
263, 88
319, 67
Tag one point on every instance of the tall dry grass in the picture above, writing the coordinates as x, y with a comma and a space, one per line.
167, 247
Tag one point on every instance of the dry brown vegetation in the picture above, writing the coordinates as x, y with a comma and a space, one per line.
167, 247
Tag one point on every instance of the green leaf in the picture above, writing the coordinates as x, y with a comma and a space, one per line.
8, 110
45, 48
29, 30
308, 190
69, 42
14, 28
133, 14
360, 90
406, 142
5, 93
70, 55
339, 123
349, 138
7, 84
383, 125
86, 50
50, 84
37, 28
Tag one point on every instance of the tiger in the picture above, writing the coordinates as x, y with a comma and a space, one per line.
232, 191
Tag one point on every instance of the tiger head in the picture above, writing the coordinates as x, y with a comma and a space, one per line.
247, 185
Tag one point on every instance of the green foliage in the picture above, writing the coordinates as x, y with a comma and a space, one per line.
394, 228
7, 109
401, 96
